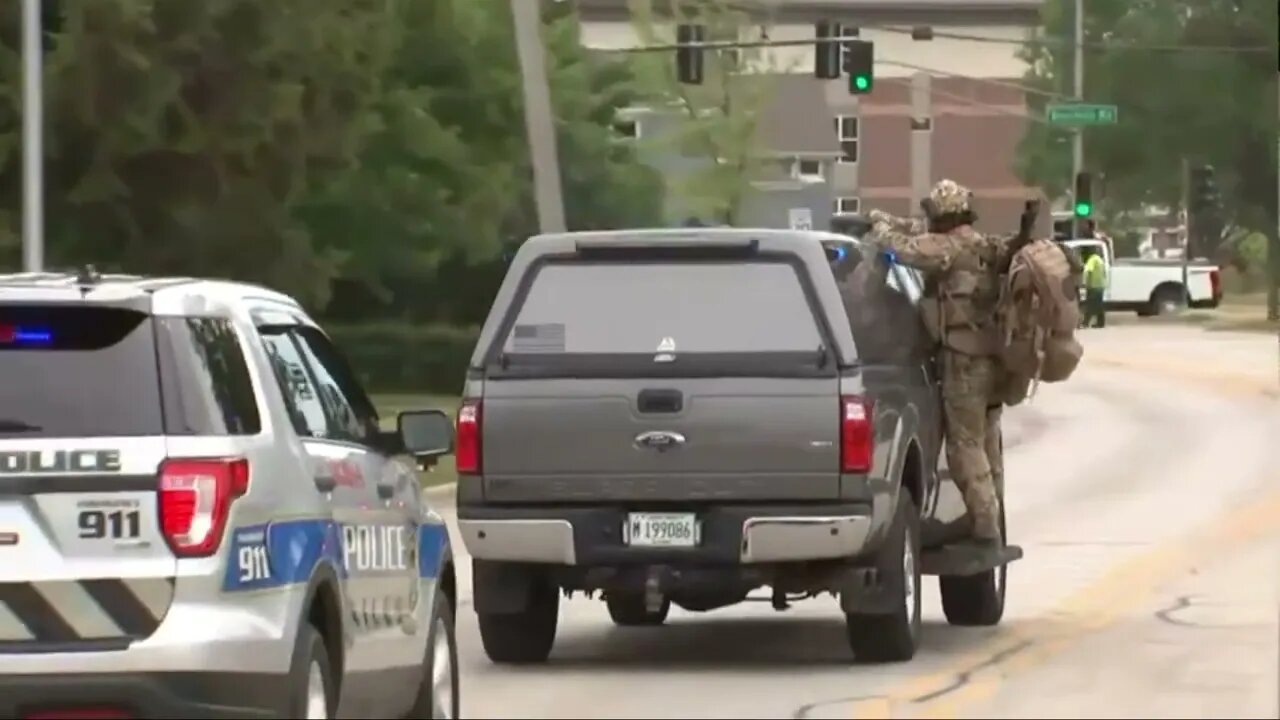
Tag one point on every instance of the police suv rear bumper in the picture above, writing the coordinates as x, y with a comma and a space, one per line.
219, 695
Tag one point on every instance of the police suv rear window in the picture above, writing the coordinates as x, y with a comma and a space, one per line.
104, 372
674, 308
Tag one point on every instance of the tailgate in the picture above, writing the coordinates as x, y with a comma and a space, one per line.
624, 439
82, 557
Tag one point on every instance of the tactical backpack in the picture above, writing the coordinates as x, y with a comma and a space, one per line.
1037, 315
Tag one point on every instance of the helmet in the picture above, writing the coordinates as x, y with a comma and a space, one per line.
948, 197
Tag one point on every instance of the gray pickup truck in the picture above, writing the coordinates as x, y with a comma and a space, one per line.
684, 416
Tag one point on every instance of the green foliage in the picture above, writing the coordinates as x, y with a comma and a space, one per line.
1210, 107
605, 186
1252, 249
399, 358
315, 146
721, 116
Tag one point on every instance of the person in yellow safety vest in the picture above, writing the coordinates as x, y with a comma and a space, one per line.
1095, 288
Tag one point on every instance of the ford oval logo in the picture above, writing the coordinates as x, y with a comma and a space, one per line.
659, 440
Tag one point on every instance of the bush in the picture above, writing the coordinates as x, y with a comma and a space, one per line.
399, 358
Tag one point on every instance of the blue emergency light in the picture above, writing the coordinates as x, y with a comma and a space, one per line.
24, 335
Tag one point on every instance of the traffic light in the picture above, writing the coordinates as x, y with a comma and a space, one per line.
826, 55
1083, 200
859, 57
1204, 190
1204, 205
689, 59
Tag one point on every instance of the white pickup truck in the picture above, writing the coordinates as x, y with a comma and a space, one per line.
1154, 287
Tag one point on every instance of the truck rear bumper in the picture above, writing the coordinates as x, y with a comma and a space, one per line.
730, 535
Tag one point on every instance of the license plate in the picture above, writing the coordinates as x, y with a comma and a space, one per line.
661, 530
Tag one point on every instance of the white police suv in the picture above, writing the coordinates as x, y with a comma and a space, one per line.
201, 517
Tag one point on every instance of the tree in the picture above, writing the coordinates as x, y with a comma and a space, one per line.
721, 116
303, 143
1214, 107
445, 183
605, 185
181, 136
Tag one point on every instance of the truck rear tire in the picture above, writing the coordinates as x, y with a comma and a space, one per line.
893, 637
1168, 299
976, 600
628, 610
525, 637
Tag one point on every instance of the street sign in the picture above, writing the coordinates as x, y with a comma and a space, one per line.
801, 218
1082, 114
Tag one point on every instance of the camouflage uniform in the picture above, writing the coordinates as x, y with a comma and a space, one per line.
963, 265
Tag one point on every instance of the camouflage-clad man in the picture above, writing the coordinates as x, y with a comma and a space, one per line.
964, 267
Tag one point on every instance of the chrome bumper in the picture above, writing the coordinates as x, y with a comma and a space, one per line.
764, 539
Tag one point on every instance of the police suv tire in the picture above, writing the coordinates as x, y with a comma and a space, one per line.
309, 652
526, 637
976, 600
628, 610
893, 637
442, 620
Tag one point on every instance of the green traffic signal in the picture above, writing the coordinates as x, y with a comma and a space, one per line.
1083, 209
861, 82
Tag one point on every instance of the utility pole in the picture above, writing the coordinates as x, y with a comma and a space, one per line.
1186, 224
1077, 140
538, 120
1273, 256
32, 139
921, 138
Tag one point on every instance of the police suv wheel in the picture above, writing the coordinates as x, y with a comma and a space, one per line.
894, 636
313, 693
976, 600
438, 697
525, 637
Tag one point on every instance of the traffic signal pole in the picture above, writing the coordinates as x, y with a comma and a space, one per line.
537, 115
32, 139
921, 147
1186, 225
1273, 256
1077, 139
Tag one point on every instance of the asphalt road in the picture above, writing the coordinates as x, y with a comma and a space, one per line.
1146, 493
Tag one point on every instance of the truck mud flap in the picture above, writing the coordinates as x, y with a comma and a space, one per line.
966, 559
862, 591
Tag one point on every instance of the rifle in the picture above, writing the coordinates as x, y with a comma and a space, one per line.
1027, 223
854, 225
1026, 227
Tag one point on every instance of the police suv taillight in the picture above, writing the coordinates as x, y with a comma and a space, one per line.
856, 438
467, 450
195, 501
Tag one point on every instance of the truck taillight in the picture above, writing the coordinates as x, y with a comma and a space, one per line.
467, 447
1215, 283
855, 434
195, 500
